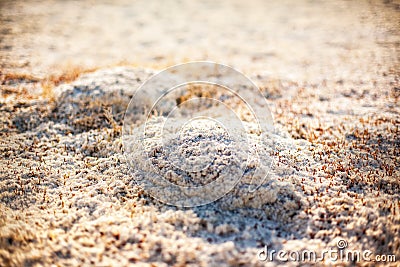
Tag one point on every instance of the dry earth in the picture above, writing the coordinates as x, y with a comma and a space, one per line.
328, 70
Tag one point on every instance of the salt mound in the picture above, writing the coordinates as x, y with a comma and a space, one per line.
113, 88
94, 97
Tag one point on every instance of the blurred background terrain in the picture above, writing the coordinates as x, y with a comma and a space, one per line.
298, 39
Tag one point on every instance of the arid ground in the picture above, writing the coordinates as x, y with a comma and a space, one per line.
329, 71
